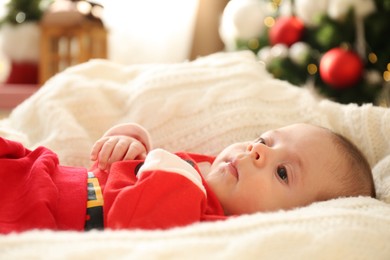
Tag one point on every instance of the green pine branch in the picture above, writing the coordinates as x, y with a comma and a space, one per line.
24, 10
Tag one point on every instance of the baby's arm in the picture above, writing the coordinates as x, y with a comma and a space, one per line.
121, 142
168, 192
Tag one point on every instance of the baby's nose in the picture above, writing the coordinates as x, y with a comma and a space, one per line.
256, 152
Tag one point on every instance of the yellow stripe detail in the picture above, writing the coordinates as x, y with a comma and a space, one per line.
98, 192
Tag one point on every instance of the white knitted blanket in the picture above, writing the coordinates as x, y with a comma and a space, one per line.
202, 106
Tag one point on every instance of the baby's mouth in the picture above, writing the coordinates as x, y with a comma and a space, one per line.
233, 170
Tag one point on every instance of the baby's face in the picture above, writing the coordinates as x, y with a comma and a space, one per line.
284, 168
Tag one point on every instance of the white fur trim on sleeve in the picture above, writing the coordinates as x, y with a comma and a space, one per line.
159, 159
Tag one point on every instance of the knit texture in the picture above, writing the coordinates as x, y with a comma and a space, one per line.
203, 106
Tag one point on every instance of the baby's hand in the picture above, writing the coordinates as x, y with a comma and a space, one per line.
110, 149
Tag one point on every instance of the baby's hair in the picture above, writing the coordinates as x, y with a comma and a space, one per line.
358, 181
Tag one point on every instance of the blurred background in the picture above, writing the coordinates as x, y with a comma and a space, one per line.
338, 48
141, 31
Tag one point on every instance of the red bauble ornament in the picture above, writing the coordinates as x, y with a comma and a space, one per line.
287, 30
341, 68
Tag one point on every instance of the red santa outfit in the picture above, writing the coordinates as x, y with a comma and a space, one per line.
166, 191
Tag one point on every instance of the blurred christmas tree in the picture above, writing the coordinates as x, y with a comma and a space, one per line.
341, 47
23, 11
20, 34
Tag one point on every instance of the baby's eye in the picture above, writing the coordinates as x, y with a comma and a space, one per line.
260, 140
282, 173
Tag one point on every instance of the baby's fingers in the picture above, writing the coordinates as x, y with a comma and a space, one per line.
136, 151
120, 149
97, 147
106, 151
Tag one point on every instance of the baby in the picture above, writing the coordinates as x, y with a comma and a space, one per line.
132, 186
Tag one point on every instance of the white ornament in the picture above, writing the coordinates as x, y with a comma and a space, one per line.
299, 52
20, 42
279, 51
338, 9
242, 19
285, 8
265, 55
309, 11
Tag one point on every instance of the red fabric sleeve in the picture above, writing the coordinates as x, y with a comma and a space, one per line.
151, 205
36, 192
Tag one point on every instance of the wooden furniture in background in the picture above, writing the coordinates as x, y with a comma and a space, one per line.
68, 46
70, 36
